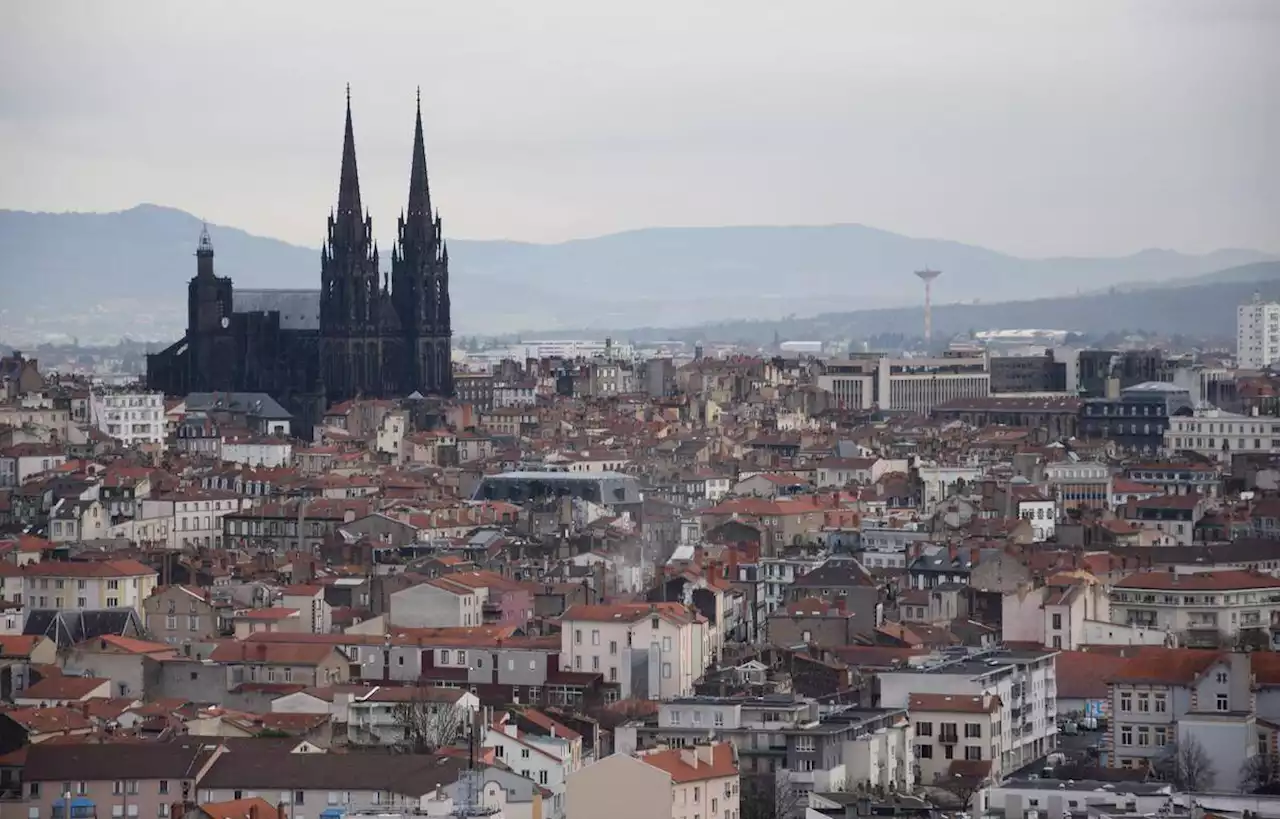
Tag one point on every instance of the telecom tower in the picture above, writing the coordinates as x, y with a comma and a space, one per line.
927, 276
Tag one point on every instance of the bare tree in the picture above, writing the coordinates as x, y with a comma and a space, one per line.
960, 786
772, 798
1186, 764
1261, 774
426, 726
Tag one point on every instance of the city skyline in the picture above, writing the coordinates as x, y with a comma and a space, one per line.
1088, 130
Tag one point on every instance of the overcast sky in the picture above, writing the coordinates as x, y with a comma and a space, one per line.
1039, 128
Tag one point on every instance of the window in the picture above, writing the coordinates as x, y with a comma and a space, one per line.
719, 719
666, 644
113, 602
666, 671
164, 786
1126, 735
1144, 702
1223, 703
973, 752
595, 663
924, 751
613, 646
524, 753
577, 636
595, 636
973, 730
653, 622
1161, 703
170, 622
675, 717
924, 729
1126, 702
1057, 622
1221, 677
805, 744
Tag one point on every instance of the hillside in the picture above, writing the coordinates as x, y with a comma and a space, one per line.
1200, 309
128, 273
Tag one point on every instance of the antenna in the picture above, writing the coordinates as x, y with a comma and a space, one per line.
927, 276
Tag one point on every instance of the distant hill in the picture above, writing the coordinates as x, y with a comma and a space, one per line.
109, 274
1205, 307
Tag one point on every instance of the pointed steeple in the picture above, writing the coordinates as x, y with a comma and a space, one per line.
349, 186
419, 215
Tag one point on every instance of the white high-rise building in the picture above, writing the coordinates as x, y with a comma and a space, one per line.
129, 417
1257, 334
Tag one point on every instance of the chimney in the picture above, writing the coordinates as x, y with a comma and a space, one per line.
706, 753
689, 756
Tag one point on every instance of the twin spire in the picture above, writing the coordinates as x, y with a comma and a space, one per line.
349, 207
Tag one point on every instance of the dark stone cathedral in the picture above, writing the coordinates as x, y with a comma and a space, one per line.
359, 335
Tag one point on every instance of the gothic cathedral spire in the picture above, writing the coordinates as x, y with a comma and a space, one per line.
349, 184
418, 220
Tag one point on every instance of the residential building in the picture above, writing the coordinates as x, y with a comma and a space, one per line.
700, 781
1206, 609
951, 727
309, 602
310, 784
1024, 682
436, 603
84, 586
179, 615
1257, 334
132, 418
1215, 434
18, 463
654, 650
144, 781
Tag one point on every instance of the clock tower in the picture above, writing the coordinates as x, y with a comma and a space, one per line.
209, 310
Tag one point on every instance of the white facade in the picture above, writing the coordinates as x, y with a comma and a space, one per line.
129, 417
257, 452
1025, 682
1043, 517
592, 640
1216, 434
1257, 334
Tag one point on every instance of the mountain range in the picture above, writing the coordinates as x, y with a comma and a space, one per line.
106, 275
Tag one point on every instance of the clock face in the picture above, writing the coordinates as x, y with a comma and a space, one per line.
226, 322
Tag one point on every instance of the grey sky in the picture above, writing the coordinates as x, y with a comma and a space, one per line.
1040, 128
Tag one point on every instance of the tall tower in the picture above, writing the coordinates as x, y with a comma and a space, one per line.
927, 276
420, 282
350, 348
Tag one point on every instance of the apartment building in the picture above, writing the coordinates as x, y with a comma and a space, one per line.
653, 650
951, 727
194, 516
309, 602
439, 602
1257, 334
685, 783
101, 780
1159, 695
1205, 609
132, 418
545, 761
1215, 433
106, 584
1023, 681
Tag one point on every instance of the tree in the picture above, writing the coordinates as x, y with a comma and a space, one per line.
1261, 774
960, 786
426, 726
778, 797
1185, 764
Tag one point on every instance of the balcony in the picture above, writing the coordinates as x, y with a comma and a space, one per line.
948, 738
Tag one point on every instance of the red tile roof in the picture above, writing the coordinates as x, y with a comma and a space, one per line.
1228, 580
676, 762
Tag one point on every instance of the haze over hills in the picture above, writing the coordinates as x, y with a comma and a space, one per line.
1202, 306
125, 273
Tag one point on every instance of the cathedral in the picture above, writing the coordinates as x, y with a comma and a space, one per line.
359, 335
